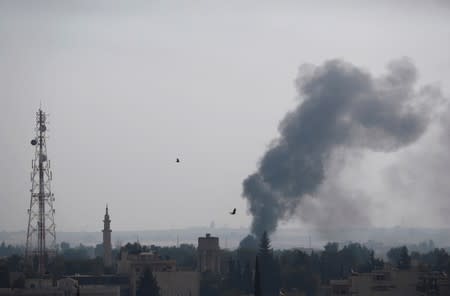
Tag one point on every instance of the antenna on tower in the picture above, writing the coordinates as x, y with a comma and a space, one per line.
41, 234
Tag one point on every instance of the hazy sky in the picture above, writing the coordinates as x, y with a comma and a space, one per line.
132, 85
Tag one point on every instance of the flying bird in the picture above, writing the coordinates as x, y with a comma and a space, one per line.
178, 160
233, 211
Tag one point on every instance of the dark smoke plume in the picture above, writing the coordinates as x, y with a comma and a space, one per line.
342, 106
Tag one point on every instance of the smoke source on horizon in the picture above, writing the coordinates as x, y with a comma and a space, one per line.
342, 106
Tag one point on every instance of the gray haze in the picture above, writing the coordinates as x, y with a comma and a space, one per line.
342, 106
131, 85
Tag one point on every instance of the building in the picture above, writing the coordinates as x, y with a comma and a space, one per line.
171, 281
105, 280
72, 287
137, 263
208, 254
31, 292
107, 248
38, 283
64, 287
391, 282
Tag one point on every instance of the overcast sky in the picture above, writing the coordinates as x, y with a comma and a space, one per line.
132, 85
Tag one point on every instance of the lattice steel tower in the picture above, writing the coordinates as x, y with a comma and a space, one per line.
41, 235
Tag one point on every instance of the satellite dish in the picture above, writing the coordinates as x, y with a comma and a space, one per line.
43, 128
43, 157
33, 142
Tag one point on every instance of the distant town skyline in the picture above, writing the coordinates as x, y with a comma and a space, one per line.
132, 87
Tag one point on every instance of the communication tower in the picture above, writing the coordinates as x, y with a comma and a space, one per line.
41, 235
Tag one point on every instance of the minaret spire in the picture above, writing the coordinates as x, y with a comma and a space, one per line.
107, 248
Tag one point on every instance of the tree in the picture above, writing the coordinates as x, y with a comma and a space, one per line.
331, 247
4, 275
249, 242
247, 279
210, 284
330, 265
57, 267
405, 259
265, 250
64, 246
99, 251
257, 279
234, 274
400, 257
8, 250
248, 248
15, 263
269, 268
300, 271
83, 266
185, 254
375, 263
148, 286
436, 260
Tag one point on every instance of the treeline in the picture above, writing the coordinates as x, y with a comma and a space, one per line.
8, 250
78, 252
436, 260
68, 261
288, 269
306, 271
295, 269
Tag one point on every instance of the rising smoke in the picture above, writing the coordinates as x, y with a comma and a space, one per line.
342, 106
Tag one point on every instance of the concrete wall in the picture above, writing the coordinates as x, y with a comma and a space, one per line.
180, 283
38, 283
84, 290
100, 290
395, 283
30, 292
